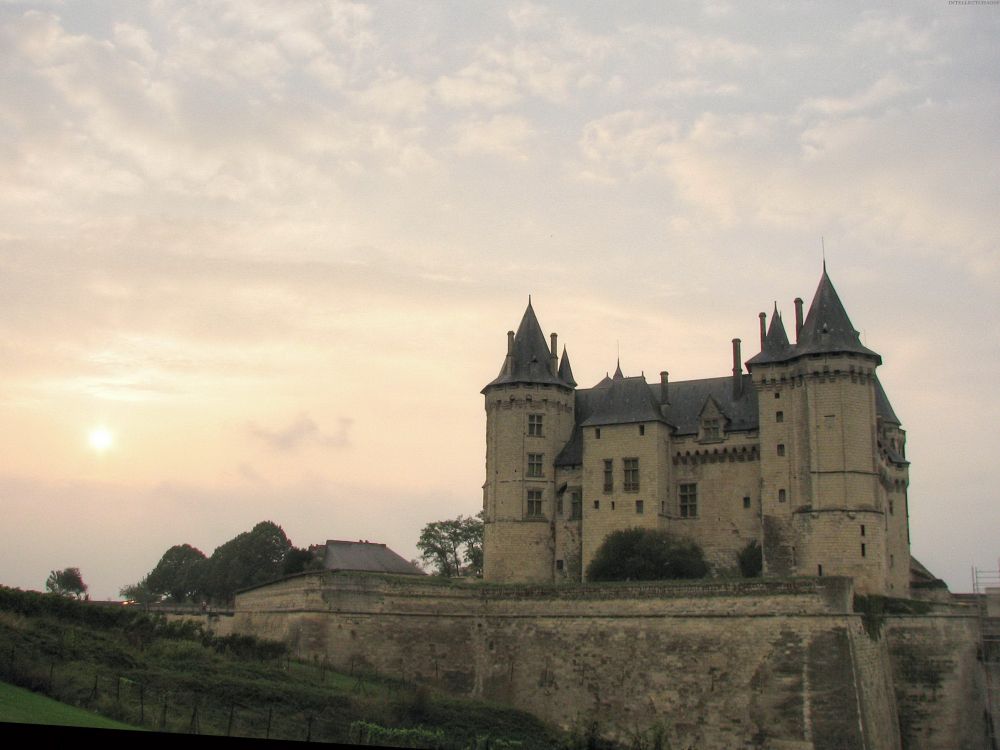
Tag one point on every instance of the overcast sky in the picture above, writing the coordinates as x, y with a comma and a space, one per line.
275, 247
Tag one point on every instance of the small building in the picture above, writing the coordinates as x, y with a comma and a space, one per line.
366, 557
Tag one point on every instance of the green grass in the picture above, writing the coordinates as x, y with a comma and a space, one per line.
142, 671
25, 707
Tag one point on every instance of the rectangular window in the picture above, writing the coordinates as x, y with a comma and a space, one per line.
609, 482
534, 503
711, 429
862, 529
535, 425
688, 500
862, 549
576, 507
781, 496
559, 564
746, 501
612, 505
819, 570
535, 464
781, 449
779, 416
639, 507
631, 474
597, 505
642, 429
597, 433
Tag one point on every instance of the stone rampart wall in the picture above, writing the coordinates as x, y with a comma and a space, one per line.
715, 664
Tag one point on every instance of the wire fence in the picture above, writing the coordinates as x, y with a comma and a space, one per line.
146, 705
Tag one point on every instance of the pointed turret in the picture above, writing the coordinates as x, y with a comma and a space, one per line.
565, 371
529, 359
827, 329
618, 372
775, 347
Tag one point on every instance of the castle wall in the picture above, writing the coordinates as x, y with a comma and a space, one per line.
715, 664
725, 473
939, 680
604, 511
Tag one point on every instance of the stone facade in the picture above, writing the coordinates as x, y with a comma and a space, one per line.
801, 454
764, 663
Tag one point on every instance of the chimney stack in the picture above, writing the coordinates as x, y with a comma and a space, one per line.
555, 357
664, 389
737, 370
798, 318
763, 329
508, 364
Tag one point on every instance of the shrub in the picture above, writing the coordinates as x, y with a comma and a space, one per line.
646, 555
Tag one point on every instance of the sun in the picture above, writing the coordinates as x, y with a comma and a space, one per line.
101, 439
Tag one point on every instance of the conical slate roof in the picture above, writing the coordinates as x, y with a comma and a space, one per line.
565, 371
530, 360
827, 328
776, 347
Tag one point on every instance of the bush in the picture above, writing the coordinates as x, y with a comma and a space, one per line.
646, 555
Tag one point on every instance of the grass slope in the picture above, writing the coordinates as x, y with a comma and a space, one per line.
173, 677
25, 707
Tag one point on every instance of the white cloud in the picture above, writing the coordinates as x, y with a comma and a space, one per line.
504, 135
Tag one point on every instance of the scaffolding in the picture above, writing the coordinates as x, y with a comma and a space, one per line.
986, 587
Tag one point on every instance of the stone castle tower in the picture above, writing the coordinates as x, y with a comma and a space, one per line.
802, 454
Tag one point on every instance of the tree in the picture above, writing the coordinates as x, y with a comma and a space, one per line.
253, 557
444, 545
646, 555
66, 582
138, 593
178, 574
299, 560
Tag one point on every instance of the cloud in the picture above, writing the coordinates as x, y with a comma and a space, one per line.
302, 431
503, 135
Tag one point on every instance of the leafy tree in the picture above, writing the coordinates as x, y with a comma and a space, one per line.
751, 560
178, 573
299, 560
66, 582
251, 558
444, 545
139, 593
646, 555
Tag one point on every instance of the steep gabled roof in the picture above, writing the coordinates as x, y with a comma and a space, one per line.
688, 399
530, 359
624, 401
827, 328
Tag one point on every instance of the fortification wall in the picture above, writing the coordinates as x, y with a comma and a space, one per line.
939, 679
716, 664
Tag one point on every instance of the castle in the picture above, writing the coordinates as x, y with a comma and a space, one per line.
802, 454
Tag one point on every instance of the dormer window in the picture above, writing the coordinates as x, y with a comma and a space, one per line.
711, 429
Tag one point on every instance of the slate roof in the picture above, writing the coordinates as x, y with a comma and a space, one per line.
827, 329
565, 371
631, 400
624, 401
776, 347
530, 358
369, 557
882, 406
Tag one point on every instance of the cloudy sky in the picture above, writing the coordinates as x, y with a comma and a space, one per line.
275, 247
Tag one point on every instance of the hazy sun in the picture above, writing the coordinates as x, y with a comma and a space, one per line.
101, 439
